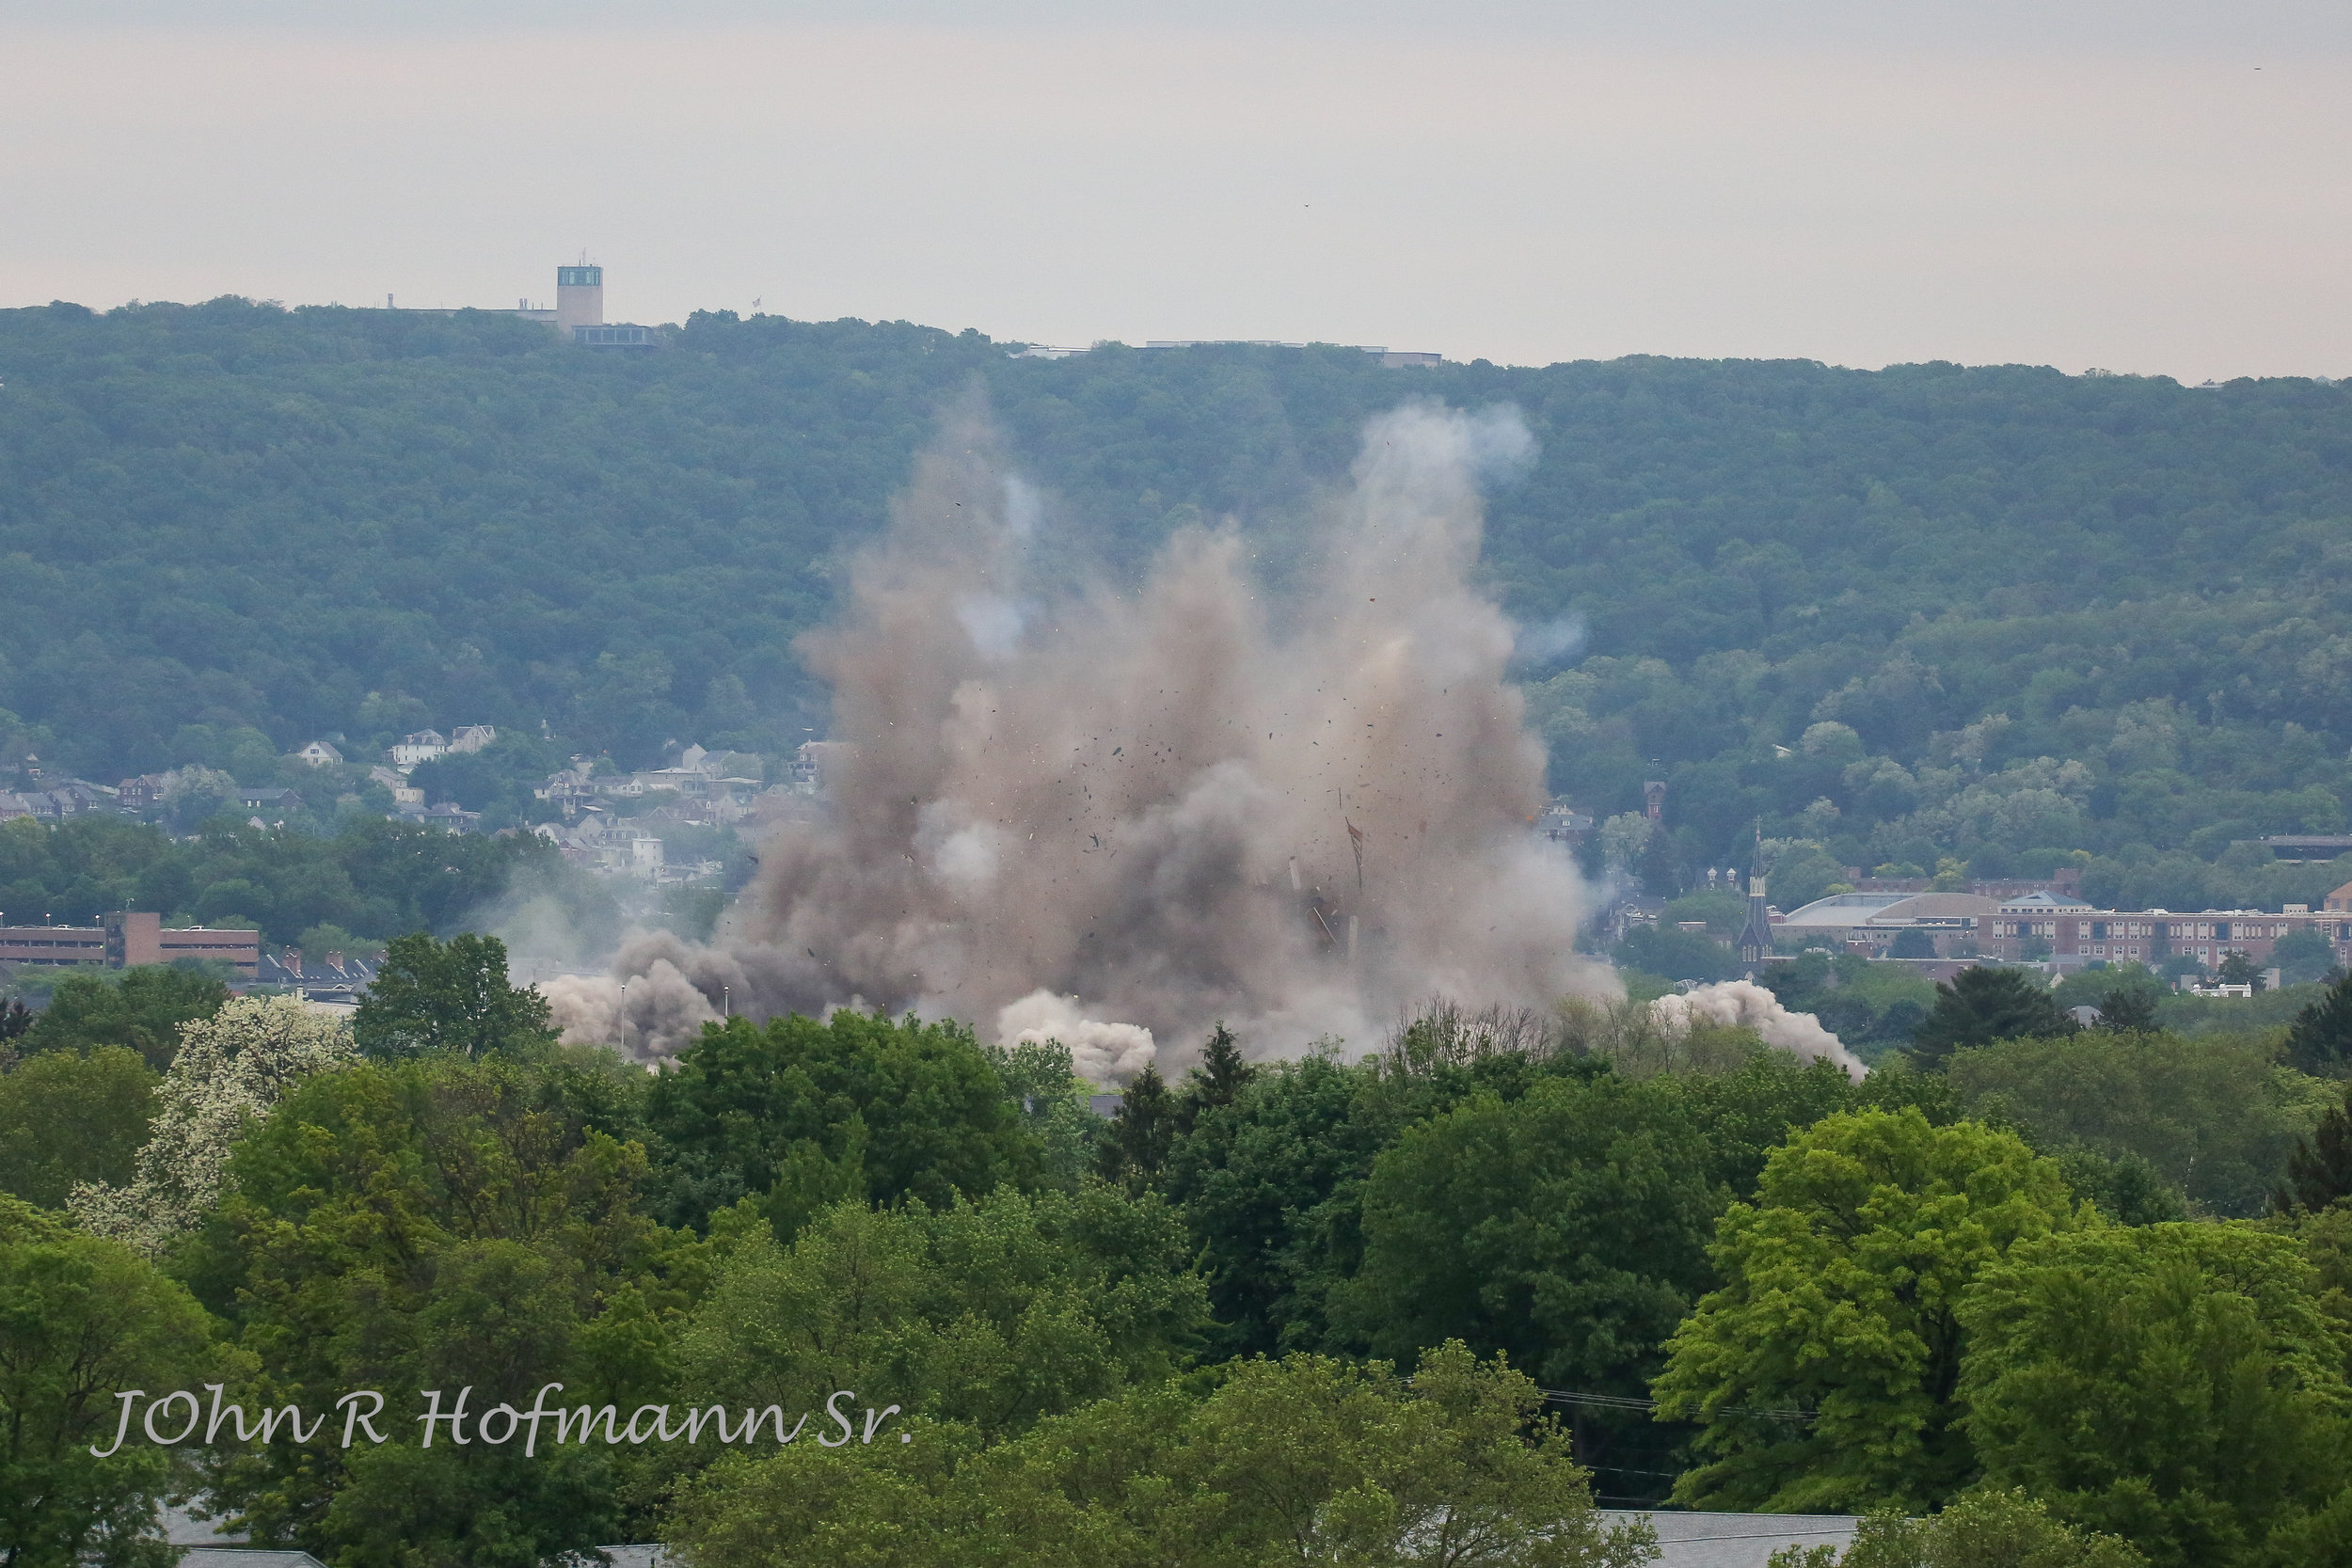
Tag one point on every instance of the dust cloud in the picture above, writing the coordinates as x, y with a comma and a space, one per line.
1117, 817
1744, 1004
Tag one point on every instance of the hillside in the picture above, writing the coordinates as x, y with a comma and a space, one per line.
1996, 613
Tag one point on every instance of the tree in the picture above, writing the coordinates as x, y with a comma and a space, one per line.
2321, 1035
1983, 1529
2179, 1385
1912, 941
230, 1068
452, 996
1566, 1228
67, 1118
1675, 955
429, 1222
2320, 1170
1302, 1460
2128, 1010
81, 1319
1219, 1079
990, 1313
142, 1008
1981, 1005
2238, 970
1135, 1151
1825, 1368
2302, 956
2213, 1116
921, 1105
1057, 1106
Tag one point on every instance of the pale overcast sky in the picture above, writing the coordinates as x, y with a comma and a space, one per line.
2148, 187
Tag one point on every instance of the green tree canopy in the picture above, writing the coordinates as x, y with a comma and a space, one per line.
809, 1111
142, 1008
1983, 1529
82, 1320
438, 1222
1302, 1460
1567, 1227
2215, 1118
2179, 1385
2320, 1038
990, 1313
69, 1117
1824, 1370
1981, 1005
2319, 1172
434, 996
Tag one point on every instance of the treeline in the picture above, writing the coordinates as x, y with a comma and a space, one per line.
1996, 615
2082, 1288
370, 880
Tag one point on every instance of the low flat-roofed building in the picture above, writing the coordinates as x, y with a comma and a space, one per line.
125, 940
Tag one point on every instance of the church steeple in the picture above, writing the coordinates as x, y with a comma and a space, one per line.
1756, 937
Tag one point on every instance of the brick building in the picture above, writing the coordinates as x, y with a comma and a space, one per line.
2070, 936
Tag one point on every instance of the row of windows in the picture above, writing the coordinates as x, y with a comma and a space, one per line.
2186, 930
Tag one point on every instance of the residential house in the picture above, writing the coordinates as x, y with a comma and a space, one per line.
320, 754
616, 849
270, 798
472, 738
330, 977
403, 793
423, 746
144, 793
63, 798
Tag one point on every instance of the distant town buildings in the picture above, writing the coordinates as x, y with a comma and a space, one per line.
125, 938
2047, 927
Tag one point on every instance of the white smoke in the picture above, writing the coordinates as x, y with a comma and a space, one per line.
1105, 1053
1186, 803
1744, 1004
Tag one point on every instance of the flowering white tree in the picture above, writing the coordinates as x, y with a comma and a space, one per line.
232, 1068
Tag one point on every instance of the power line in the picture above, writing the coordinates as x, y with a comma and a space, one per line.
1620, 1401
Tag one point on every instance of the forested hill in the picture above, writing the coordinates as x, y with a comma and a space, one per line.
331, 520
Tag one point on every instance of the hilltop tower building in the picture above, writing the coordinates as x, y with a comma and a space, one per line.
579, 297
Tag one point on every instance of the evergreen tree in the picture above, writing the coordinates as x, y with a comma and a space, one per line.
2321, 1035
1981, 1006
1219, 1078
2320, 1170
1136, 1151
2128, 1009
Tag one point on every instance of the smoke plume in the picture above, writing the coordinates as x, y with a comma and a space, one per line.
1117, 817
1744, 1004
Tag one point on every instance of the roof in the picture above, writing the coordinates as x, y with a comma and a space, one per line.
245, 1557
2034, 903
1734, 1540
1843, 908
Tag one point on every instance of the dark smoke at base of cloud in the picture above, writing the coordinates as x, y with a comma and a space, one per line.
1115, 819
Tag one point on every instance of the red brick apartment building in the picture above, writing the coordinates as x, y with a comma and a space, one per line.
127, 938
